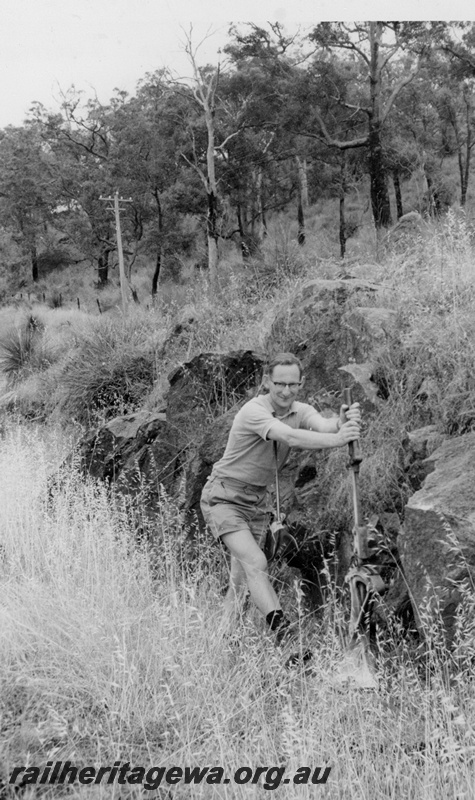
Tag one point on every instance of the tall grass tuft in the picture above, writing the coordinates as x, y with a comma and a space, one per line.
18, 347
111, 367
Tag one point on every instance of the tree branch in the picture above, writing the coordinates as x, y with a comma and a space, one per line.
397, 89
197, 169
330, 141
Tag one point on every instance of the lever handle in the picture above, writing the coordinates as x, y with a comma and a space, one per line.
354, 446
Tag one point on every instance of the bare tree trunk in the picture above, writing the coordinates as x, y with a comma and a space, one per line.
204, 92
342, 226
262, 222
432, 195
301, 189
243, 233
379, 185
300, 221
342, 230
156, 272
397, 193
34, 262
103, 267
158, 262
212, 190
468, 150
303, 180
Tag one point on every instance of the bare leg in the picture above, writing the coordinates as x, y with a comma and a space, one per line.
251, 565
236, 591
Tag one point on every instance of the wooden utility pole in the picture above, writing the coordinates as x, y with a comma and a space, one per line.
116, 209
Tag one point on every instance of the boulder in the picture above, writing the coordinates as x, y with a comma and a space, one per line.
371, 326
417, 446
208, 386
437, 544
142, 452
327, 326
405, 231
139, 453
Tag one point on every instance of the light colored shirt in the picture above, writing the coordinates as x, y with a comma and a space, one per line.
249, 455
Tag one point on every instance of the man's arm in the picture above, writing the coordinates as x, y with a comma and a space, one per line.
333, 424
312, 440
323, 424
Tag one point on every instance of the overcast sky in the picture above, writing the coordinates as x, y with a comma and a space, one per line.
97, 45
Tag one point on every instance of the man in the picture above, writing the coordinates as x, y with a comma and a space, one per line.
233, 500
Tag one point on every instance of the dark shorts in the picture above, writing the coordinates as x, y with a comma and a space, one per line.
229, 505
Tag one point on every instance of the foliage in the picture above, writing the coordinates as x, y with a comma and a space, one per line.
110, 368
300, 118
428, 366
18, 348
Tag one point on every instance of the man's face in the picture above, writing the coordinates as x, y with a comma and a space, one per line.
282, 397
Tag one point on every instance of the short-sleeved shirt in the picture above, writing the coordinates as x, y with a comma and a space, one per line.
249, 455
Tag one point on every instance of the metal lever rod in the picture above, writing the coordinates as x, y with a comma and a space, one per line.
353, 447
355, 460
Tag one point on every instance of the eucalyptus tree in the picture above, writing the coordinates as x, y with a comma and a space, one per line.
265, 71
149, 136
125, 146
80, 138
456, 99
229, 148
28, 187
374, 47
203, 87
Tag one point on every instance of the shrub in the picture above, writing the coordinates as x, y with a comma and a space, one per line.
17, 349
52, 259
109, 370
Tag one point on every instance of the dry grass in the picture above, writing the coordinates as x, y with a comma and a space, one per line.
109, 655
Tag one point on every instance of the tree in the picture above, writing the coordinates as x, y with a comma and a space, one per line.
274, 163
28, 187
455, 99
455, 107
204, 88
148, 137
372, 46
81, 143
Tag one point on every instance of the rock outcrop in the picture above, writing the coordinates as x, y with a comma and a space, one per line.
329, 326
147, 450
208, 385
138, 453
336, 329
437, 545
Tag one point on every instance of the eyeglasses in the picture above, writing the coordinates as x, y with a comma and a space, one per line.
281, 386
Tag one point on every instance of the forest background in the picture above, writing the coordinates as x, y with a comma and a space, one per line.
337, 121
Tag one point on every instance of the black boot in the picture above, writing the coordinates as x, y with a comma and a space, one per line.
285, 632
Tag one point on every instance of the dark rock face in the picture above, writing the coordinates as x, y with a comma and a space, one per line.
139, 453
417, 446
406, 231
326, 331
209, 384
437, 545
